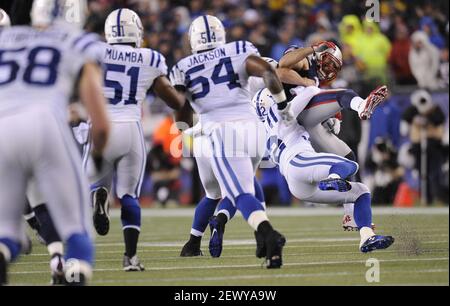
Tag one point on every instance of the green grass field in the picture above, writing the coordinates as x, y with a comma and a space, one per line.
318, 252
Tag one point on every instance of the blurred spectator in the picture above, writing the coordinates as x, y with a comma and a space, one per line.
350, 31
424, 117
374, 49
286, 38
387, 173
443, 68
428, 25
385, 123
399, 57
424, 61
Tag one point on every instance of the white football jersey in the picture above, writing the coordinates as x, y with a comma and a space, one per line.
129, 74
217, 82
284, 141
41, 67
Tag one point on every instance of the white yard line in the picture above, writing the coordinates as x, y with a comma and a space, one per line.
256, 266
298, 211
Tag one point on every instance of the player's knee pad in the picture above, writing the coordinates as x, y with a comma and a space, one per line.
344, 169
130, 212
247, 204
80, 247
344, 97
9, 248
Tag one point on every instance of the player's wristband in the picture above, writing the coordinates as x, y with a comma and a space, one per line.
279, 97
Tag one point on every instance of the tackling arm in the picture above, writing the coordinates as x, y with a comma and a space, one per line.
258, 67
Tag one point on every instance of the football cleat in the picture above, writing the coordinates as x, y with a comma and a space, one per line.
57, 269
261, 250
216, 239
337, 184
191, 249
101, 211
3, 266
274, 243
376, 97
348, 224
132, 264
376, 242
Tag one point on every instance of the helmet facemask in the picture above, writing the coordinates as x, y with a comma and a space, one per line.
329, 65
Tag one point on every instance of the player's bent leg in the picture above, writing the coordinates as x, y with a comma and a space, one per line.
337, 177
203, 212
206, 207
225, 212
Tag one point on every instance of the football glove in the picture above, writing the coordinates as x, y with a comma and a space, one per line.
333, 125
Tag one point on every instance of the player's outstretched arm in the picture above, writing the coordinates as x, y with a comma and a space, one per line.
290, 76
168, 93
296, 57
292, 58
91, 94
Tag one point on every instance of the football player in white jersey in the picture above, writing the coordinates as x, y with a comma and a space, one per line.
311, 176
40, 68
130, 72
36, 212
215, 80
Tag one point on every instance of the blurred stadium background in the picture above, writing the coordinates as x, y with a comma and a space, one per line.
403, 150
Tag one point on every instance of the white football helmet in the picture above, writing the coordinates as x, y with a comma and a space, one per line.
4, 19
206, 32
124, 26
262, 101
59, 12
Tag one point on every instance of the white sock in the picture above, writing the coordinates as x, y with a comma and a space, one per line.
225, 212
334, 176
256, 218
357, 104
196, 233
55, 248
348, 209
366, 233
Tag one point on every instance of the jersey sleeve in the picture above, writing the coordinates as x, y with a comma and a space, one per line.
84, 48
158, 63
90, 46
177, 76
246, 48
